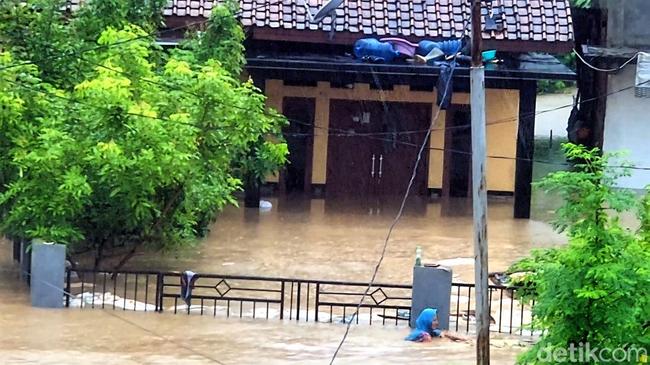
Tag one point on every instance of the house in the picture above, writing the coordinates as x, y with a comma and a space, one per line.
355, 127
622, 104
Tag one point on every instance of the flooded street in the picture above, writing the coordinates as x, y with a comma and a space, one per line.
320, 239
105, 337
301, 238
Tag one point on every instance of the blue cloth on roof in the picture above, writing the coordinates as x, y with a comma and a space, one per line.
446, 85
448, 47
372, 49
423, 325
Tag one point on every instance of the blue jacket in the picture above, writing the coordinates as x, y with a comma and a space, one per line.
423, 325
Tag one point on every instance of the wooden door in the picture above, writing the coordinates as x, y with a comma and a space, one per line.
457, 176
368, 152
404, 127
296, 176
351, 171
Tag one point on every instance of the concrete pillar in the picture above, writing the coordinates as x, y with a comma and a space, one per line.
431, 289
47, 279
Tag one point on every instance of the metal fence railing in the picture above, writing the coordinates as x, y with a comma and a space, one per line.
282, 298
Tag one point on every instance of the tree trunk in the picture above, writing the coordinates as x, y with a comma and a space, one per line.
99, 255
252, 191
123, 261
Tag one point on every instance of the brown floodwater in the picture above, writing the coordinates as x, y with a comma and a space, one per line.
297, 238
105, 337
326, 239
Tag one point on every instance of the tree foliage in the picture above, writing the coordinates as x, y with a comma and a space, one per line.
140, 147
581, 3
595, 289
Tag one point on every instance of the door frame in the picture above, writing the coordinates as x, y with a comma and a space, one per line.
309, 150
447, 160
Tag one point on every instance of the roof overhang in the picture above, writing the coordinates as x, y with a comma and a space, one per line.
525, 68
347, 38
616, 53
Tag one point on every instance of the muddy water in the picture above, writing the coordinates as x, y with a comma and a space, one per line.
320, 239
106, 337
297, 238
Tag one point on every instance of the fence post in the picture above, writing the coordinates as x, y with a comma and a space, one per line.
282, 300
159, 292
298, 303
67, 287
317, 302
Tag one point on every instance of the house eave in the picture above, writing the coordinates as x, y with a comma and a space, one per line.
348, 38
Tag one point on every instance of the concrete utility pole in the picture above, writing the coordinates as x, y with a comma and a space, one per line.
479, 191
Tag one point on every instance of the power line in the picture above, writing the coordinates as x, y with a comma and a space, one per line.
140, 78
144, 36
393, 224
509, 119
343, 133
465, 126
610, 70
79, 102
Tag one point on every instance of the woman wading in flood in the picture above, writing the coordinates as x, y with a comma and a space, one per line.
426, 327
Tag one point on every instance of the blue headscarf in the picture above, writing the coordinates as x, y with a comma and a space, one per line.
423, 325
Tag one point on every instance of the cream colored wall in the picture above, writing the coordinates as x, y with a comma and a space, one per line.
502, 122
502, 137
502, 117
436, 153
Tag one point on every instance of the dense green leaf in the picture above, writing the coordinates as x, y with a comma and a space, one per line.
127, 146
595, 289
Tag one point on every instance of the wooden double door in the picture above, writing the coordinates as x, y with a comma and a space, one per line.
373, 147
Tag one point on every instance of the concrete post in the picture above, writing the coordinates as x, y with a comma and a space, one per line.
431, 289
47, 279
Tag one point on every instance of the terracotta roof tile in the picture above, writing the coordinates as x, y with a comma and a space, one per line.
545, 21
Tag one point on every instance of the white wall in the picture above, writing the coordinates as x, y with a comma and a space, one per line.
627, 126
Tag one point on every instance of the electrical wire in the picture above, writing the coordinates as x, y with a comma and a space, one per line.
505, 120
607, 70
79, 102
513, 118
341, 132
144, 36
422, 147
393, 224
337, 132
347, 134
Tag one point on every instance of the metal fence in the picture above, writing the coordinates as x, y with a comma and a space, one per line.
282, 298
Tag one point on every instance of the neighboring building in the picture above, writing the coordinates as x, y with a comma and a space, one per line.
332, 100
625, 115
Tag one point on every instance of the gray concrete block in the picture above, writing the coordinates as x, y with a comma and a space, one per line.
47, 279
431, 289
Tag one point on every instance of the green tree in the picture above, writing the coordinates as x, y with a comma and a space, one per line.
37, 32
222, 39
140, 150
581, 3
594, 289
